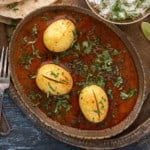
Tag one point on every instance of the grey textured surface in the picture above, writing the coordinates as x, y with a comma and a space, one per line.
26, 136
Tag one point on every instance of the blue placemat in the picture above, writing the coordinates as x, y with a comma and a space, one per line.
26, 136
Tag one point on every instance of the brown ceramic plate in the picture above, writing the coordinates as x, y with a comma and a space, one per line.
95, 10
112, 39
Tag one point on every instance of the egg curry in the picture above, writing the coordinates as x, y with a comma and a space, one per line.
76, 70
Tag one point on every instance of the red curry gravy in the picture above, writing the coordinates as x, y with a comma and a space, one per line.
98, 56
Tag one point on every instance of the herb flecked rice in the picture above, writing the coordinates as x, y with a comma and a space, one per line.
121, 9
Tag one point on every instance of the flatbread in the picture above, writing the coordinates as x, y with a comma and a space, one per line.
6, 2
23, 8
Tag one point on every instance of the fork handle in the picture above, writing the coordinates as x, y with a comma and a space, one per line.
1, 103
4, 126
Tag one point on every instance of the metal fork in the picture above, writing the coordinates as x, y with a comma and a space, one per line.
4, 75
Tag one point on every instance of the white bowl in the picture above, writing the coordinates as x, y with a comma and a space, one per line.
94, 7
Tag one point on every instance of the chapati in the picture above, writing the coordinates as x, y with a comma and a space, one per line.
22, 8
6, 2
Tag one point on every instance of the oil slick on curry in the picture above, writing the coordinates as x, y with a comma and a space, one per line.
84, 77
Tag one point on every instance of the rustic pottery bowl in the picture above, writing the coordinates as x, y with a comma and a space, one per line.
46, 122
94, 9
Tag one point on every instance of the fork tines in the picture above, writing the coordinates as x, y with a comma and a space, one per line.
4, 62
